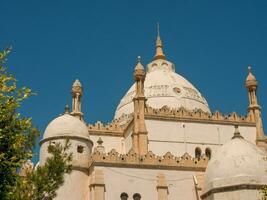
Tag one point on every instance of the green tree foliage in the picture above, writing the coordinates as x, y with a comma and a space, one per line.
17, 139
17, 134
264, 193
43, 182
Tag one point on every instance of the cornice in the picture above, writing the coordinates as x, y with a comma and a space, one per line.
118, 127
148, 161
181, 114
249, 186
114, 128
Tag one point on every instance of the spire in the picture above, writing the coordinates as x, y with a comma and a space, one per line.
66, 109
159, 51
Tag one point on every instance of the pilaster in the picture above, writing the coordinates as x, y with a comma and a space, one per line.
162, 187
97, 186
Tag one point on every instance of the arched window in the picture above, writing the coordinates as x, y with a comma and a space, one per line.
136, 196
124, 196
198, 153
208, 153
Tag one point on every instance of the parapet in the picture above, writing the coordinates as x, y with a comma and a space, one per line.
197, 115
148, 161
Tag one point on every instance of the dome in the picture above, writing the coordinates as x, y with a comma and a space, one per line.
236, 162
67, 126
163, 87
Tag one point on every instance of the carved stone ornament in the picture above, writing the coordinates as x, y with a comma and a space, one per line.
150, 160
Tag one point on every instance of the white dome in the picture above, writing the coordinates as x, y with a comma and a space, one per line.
163, 87
236, 162
66, 126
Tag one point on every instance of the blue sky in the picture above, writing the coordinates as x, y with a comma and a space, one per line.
54, 42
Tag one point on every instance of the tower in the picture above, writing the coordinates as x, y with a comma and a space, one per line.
68, 127
139, 136
254, 109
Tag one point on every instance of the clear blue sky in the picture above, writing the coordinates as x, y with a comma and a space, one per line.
55, 42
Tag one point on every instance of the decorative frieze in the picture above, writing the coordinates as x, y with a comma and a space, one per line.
118, 126
183, 114
149, 160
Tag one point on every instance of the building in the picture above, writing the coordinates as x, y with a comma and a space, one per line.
164, 143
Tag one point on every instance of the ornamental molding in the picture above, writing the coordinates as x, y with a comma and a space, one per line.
230, 188
118, 127
182, 114
115, 128
148, 161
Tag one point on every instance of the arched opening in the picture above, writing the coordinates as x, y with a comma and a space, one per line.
136, 196
198, 153
124, 196
208, 153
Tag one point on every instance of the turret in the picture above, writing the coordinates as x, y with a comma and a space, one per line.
68, 127
254, 109
139, 136
77, 92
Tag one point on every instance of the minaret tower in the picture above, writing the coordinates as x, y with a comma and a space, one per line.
139, 136
77, 92
254, 109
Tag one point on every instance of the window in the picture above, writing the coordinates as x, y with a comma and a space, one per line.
124, 196
197, 153
208, 153
136, 196
80, 149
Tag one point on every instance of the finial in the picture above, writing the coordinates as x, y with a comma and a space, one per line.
237, 133
77, 83
158, 29
138, 59
251, 80
99, 141
100, 148
159, 50
66, 109
249, 69
139, 65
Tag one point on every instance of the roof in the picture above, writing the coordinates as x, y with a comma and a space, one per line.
67, 126
164, 87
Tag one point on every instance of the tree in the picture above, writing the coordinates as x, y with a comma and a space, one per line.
264, 192
43, 182
17, 139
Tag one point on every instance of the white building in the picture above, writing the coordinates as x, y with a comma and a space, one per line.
164, 143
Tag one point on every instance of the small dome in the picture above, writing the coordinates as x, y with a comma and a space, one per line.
251, 80
236, 162
68, 126
164, 87
250, 77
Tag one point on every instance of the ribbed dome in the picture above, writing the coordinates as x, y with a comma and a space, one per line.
163, 87
236, 162
66, 125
